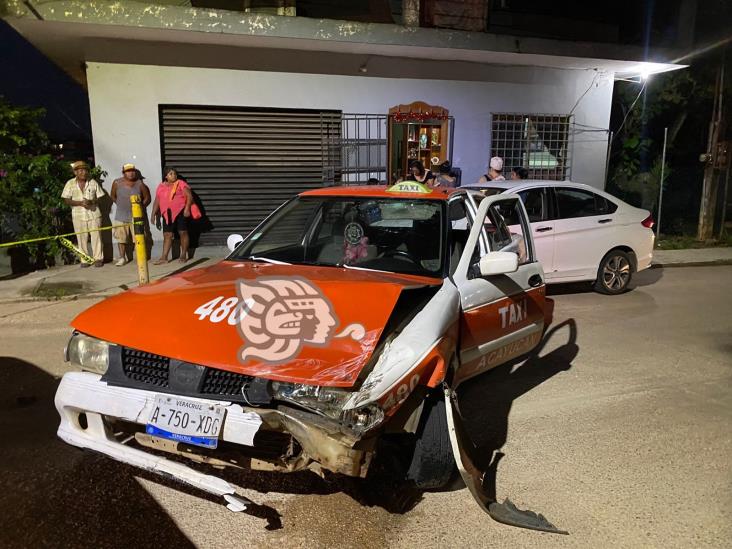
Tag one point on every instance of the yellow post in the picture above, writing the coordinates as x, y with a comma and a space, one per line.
138, 228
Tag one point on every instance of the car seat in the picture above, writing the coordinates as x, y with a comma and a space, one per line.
332, 250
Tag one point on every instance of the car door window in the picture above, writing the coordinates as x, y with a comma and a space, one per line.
579, 203
535, 203
506, 227
604, 206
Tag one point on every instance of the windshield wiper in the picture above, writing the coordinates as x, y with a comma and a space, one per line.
266, 260
357, 268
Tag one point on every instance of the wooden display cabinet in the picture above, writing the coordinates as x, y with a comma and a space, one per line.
417, 131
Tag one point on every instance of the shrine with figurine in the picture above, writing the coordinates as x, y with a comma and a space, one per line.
417, 131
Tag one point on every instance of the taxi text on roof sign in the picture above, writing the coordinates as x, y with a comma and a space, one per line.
409, 187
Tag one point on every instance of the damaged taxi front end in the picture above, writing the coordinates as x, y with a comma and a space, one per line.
272, 360
262, 423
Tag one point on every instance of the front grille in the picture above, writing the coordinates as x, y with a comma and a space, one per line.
221, 382
142, 370
145, 368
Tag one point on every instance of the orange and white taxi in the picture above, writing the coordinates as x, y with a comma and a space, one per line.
350, 313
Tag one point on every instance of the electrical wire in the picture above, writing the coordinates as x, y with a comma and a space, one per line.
594, 79
599, 128
585, 130
643, 87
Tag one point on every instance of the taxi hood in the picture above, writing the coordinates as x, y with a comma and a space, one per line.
300, 324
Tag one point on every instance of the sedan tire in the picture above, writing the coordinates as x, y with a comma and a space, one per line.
615, 273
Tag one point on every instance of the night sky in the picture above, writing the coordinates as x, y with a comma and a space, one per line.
30, 79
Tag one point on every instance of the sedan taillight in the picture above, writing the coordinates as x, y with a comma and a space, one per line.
648, 222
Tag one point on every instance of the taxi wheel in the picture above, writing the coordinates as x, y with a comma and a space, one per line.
432, 463
614, 273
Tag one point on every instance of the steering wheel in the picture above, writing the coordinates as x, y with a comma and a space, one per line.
402, 253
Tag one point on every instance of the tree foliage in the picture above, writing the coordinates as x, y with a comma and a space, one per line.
32, 177
681, 101
637, 147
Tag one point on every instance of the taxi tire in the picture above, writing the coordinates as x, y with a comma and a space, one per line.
433, 463
609, 262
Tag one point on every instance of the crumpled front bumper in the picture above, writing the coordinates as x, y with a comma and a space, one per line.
85, 393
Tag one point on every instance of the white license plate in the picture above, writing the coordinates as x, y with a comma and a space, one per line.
184, 420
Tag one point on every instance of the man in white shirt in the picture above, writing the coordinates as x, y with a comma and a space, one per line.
82, 195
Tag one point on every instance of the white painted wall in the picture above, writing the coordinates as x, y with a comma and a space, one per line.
124, 103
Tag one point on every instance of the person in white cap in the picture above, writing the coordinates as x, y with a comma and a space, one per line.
494, 171
122, 189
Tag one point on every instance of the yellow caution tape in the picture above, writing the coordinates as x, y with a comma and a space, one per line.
61, 236
68, 244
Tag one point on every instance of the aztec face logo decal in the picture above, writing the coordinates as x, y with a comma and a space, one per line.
280, 315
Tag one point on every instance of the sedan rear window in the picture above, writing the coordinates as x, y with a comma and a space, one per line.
581, 203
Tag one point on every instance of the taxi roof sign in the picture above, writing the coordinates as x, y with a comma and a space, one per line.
409, 187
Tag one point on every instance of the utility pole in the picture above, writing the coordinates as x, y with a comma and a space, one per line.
410, 13
660, 186
708, 206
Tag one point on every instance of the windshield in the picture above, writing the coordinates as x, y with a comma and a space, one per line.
396, 235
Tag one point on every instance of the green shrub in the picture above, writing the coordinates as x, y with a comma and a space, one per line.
32, 177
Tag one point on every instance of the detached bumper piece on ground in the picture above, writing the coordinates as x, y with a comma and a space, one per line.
506, 512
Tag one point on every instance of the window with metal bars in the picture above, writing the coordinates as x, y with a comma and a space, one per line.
538, 142
363, 148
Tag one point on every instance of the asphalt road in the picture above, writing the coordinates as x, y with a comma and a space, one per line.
618, 431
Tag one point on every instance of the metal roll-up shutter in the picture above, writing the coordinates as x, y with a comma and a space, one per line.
244, 162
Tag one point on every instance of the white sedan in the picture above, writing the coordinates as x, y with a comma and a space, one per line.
582, 233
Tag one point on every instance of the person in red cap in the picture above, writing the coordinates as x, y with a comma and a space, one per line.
122, 189
82, 194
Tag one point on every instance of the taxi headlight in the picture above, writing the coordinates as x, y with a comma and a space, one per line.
328, 402
90, 353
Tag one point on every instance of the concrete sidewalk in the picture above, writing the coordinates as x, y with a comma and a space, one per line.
692, 257
70, 281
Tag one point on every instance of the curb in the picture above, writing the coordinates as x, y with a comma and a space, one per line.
74, 297
715, 263
24, 294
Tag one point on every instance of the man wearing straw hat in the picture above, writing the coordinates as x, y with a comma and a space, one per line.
82, 194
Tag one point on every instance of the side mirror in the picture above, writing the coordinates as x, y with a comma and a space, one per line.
495, 263
233, 241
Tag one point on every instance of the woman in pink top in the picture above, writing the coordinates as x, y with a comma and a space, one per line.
173, 201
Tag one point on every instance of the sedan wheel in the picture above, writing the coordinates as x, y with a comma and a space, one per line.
614, 273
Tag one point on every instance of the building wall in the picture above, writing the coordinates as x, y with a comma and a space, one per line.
124, 101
